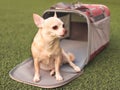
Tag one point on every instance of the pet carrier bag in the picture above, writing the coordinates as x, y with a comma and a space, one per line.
88, 28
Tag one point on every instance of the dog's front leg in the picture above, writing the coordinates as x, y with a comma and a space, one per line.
37, 70
57, 69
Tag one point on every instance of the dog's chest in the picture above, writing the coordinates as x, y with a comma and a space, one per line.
52, 48
48, 60
48, 63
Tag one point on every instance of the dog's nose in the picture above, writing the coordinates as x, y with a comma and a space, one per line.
65, 31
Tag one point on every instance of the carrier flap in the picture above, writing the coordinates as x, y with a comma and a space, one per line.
94, 12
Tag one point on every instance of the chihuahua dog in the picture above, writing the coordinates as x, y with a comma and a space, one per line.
46, 50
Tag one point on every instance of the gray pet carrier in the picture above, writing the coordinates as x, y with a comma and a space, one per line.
88, 28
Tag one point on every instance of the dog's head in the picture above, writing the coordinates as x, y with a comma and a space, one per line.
51, 26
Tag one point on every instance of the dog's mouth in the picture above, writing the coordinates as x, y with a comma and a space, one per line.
65, 32
62, 35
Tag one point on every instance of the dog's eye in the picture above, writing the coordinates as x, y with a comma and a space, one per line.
63, 25
55, 27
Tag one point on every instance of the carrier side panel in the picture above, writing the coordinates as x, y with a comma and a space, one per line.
99, 36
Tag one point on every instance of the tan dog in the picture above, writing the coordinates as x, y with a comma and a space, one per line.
46, 50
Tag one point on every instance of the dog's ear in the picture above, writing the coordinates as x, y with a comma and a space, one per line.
55, 14
38, 20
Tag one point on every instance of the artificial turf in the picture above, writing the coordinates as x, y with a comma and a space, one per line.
17, 31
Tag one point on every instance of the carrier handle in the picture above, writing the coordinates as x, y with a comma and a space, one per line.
62, 5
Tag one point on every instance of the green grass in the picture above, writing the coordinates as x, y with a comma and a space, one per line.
17, 31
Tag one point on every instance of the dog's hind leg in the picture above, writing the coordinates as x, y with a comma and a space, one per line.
69, 58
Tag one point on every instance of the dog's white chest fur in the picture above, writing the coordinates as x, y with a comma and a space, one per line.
51, 50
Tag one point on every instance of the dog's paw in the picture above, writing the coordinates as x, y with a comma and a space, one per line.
36, 79
77, 69
59, 77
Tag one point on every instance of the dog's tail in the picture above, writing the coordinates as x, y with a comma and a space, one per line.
71, 57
